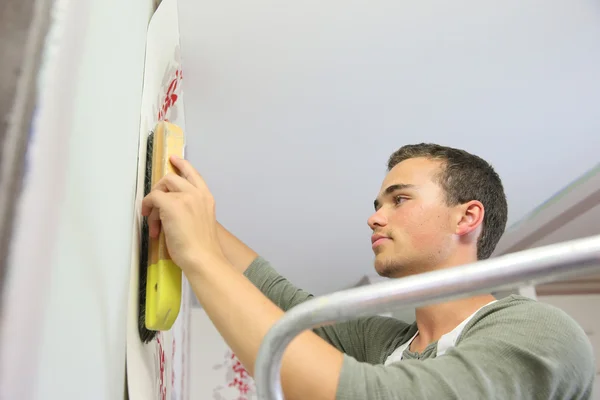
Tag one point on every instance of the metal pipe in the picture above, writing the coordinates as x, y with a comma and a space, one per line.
529, 267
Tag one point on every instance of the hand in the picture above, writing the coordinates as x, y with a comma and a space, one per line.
183, 207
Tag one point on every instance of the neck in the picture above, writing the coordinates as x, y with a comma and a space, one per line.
435, 320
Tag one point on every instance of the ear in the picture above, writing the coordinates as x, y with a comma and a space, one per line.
470, 217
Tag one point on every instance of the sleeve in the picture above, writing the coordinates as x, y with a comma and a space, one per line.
278, 289
533, 355
364, 339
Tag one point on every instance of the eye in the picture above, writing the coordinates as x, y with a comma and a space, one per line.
399, 199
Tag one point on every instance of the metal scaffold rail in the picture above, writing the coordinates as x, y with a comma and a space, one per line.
529, 267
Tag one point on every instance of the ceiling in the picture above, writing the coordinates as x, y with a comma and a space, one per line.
292, 109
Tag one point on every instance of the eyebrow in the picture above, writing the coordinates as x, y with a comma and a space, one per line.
391, 189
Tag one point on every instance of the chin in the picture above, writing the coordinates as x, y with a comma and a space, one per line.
389, 267
386, 267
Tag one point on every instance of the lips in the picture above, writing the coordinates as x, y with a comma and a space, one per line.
378, 239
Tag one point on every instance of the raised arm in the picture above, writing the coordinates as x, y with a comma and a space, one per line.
364, 338
236, 251
259, 271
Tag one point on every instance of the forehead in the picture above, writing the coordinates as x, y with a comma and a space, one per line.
414, 171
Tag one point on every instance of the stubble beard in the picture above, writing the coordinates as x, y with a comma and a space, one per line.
394, 266
387, 267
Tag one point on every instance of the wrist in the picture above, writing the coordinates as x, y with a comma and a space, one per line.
200, 264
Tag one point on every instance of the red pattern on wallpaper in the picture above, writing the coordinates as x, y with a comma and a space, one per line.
173, 369
161, 362
170, 97
241, 377
236, 378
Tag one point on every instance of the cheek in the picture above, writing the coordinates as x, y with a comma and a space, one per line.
425, 227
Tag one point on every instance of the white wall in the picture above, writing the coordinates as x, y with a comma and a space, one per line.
82, 334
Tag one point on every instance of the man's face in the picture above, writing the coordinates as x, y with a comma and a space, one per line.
413, 220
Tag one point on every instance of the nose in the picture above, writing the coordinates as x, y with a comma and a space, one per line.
377, 220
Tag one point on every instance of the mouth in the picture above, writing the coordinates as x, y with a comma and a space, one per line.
377, 240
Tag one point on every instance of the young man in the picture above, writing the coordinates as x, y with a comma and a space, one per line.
438, 208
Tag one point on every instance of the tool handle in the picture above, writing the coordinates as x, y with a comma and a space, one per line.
163, 288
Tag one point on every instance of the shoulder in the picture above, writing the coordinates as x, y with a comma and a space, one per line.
524, 320
523, 314
534, 332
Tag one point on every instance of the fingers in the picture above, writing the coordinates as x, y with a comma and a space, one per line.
188, 171
173, 183
154, 223
151, 206
173, 189
153, 201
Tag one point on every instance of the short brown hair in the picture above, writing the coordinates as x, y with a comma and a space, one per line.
465, 177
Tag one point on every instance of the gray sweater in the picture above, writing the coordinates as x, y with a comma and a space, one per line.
513, 349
